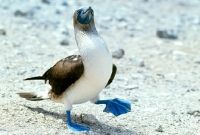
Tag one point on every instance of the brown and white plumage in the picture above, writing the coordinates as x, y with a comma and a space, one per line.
79, 78
63, 74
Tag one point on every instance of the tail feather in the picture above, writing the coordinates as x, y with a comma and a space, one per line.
32, 96
35, 78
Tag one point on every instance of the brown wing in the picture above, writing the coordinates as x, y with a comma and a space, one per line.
114, 70
64, 73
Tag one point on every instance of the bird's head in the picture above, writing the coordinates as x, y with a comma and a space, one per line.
84, 18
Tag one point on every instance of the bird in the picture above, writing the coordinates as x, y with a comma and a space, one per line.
80, 78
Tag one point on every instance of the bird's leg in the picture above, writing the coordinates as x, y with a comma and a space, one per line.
116, 106
74, 127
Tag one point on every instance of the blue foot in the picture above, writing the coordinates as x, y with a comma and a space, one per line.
116, 106
75, 127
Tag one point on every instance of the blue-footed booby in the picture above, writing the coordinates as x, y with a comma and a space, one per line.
80, 78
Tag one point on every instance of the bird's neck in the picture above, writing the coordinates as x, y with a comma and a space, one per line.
91, 45
87, 39
85, 32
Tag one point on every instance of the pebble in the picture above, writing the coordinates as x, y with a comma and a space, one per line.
118, 53
65, 4
64, 42
89, 119
20, 13
166, 34
134, 100
120, 18
46, 1
21, 72
2, 32
159, 129
197, 60
58, 12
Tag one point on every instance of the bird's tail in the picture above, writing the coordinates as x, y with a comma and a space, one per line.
35, 78
33, 96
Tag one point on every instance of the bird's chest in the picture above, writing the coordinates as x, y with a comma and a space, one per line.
97, 62
98, 69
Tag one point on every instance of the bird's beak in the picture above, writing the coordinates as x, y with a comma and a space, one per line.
87, 12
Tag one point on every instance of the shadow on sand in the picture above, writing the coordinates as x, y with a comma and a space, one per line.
98, 128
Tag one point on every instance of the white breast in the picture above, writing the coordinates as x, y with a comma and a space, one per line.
97, 71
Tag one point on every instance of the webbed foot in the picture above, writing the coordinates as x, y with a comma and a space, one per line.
116, 106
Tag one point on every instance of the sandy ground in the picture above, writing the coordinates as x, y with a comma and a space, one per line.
164, 91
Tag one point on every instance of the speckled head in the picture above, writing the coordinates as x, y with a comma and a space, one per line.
84, 18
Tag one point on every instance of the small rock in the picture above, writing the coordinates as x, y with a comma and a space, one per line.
58, 11
166, 34
145, 125
159, 129
5, 7
21, 72
64, 42
118, 54
2, 32
197, 61
38, 7
160, 74
65, 4
134, 100
89, 119
120, 18
20, 13
46, 1
173, 113
65, 32
51, 55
